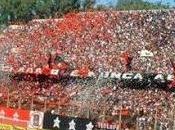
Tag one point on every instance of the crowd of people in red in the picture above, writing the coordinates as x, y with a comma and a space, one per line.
96, 41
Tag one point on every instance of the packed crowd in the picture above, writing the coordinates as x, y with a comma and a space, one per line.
96, 40
89, 99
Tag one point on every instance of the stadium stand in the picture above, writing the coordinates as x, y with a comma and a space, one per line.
101, 41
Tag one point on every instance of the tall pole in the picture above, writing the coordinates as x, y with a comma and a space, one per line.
19, 102
147, 64
45, 105
120, 118
8, 97
155, 123
103, 119
161, 126
88, 113
58, 105
120, 115
173, 124
31, 107
174, 116
137, 123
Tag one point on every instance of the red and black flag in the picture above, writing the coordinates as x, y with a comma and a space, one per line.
126, 58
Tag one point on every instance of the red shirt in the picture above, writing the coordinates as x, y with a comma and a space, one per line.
126, 58
62, 66
84, 71
46, 70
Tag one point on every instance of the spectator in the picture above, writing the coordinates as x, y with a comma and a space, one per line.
95, 39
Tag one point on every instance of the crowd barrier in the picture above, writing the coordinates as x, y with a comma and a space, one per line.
16, 119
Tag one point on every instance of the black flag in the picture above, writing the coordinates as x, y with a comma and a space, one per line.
50, 60
57, 122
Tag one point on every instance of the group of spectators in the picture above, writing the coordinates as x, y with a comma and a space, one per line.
97, 40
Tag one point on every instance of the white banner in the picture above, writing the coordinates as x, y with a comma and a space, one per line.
36, 120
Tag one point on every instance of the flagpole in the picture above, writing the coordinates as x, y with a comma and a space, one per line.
173, 124
120, 118
155, 123
45, 105
8, 97
161, 126
120, 114
104, 114
58, 106
174, 116
137, 124
19, 102
31, 107
88, 114
104, 111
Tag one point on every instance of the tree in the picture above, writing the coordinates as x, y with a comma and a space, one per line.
43, 8
88, 4
25, 10
138, 5
12, 10
69, 5
101, 7
4, 11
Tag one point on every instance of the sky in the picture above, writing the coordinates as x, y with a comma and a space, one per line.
110, 2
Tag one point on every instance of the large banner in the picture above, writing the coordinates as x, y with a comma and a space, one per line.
128, 78
57, 122
16, 117
139, 79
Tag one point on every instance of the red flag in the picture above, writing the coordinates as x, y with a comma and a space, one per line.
172, 84
16, 117
124, 112
106, 91
127, 59
84, 71
62, 66
173, 65
46, 70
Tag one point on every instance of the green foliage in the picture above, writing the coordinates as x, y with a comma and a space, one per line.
12, 10
88, 4
43, 8
69, 5
138, 5
101, 7
25, 10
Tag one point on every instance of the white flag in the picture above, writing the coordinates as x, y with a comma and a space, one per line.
146, 53
36, 120
54, 72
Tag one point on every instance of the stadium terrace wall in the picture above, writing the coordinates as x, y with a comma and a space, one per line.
10, 119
